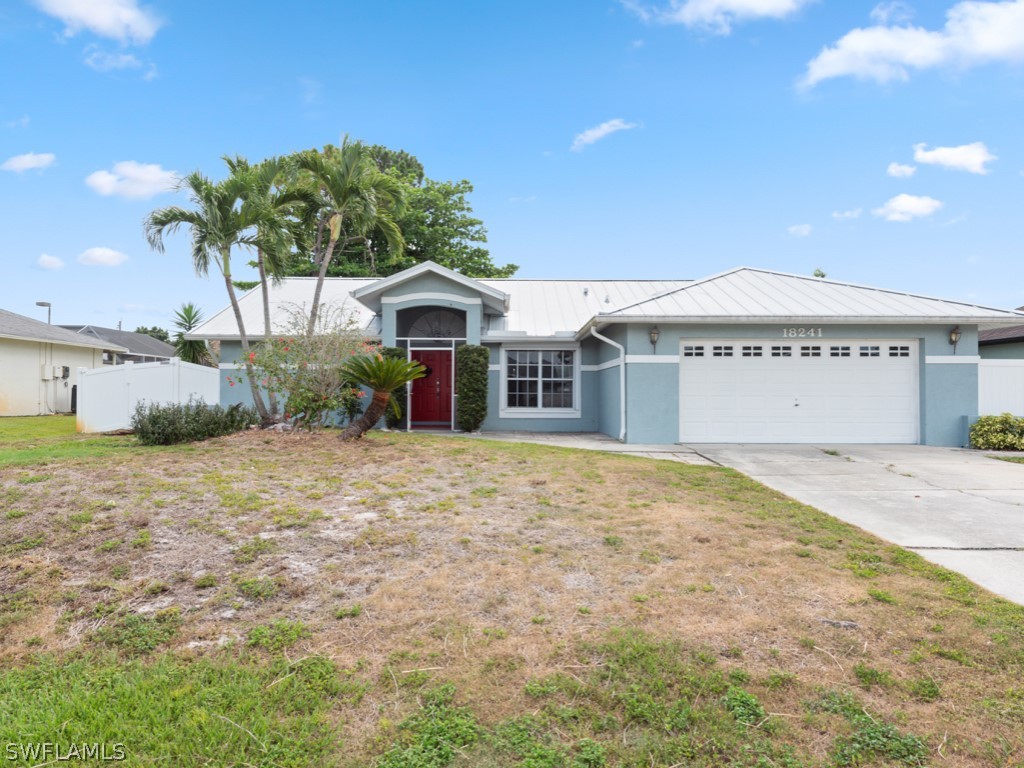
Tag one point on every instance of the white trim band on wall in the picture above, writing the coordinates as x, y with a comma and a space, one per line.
674, 359
430, 297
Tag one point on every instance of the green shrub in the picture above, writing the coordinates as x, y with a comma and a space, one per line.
158, 424
998, 433
471, 363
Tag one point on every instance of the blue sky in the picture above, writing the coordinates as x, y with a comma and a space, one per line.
606, 139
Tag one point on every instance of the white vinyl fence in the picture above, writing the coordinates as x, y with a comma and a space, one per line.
107, 396
1001, 387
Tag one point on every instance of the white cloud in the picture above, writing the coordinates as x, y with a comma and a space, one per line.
892, 12
133, 180
102, 257
908, 207
851, 214
121, 20
900, 171
975, 33
717, 16
103, 61
598, 132
967, 157
29, 161
45, 261
800, 230
21, 122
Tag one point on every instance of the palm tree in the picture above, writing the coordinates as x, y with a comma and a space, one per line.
355, 199
220, 220
383, 375
194, 351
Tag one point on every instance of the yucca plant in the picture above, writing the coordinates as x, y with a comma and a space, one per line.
383, 375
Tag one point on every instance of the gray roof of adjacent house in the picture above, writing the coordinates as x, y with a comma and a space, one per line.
1003, 335
134, 343
13, 326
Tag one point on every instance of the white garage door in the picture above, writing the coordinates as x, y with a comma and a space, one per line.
798, 391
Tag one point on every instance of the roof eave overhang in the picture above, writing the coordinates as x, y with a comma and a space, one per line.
101, 347
370, 295
600, 321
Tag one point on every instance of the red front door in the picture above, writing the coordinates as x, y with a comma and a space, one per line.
432, 395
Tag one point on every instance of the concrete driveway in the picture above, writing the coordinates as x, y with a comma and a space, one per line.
955, 507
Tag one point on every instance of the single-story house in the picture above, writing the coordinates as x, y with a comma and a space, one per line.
39, 365
142, 348
748, 355
1002, 343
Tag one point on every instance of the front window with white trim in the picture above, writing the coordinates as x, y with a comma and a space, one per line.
540, 382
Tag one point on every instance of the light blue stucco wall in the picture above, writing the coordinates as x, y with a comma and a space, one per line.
1012, 351
948, 391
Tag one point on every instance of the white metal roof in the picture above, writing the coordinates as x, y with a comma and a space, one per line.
751, 295
560, 308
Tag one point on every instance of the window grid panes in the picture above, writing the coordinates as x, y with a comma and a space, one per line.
751, 351
540, 378
721, 351
689, 351
782, 351
839, 351
810, 351
899, 351
869, 351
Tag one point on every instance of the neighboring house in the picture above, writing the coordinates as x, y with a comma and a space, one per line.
1002, 343
39, 365
749, 355
141, 347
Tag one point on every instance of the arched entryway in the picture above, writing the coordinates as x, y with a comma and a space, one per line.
430, 335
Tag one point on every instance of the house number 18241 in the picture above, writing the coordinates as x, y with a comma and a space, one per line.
801, 333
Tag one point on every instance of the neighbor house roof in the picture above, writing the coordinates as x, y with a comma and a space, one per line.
136, 343
13, 326
1003, 335
758, 295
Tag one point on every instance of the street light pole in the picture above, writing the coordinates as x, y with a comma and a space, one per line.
48, 309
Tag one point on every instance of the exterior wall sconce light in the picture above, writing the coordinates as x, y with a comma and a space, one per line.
954, 337
654, 334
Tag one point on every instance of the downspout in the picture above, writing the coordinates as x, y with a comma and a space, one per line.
622, 381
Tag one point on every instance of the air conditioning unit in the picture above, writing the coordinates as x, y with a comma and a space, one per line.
47, 372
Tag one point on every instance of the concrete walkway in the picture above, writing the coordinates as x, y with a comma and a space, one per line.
958, 508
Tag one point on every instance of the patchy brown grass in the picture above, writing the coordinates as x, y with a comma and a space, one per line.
418, 560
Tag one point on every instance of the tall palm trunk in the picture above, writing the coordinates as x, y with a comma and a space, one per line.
250, 373
325, 262
265, 290
378, 405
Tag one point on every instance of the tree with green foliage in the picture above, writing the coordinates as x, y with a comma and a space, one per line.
383, 375
223, 216
195, 351
353, 201
157, 333
436, 223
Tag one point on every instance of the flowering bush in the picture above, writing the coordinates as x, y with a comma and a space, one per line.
305, 372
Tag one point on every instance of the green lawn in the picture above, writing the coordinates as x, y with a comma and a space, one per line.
27, 440
412, 601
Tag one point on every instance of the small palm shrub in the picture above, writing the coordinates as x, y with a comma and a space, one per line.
998, 433
471, 362
159, 424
